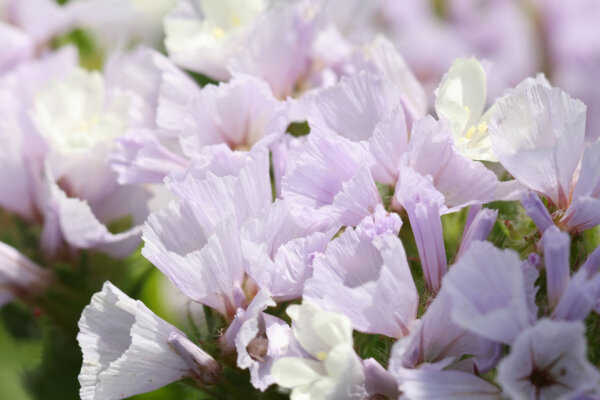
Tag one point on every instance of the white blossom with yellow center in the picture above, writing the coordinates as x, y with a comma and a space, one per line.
335, 372
460, 101
75, 115
216, 31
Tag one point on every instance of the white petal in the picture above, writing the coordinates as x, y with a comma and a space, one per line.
538, 134
461, 96
292, 371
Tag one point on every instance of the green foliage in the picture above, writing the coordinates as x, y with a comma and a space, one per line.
56, 376
90, 55
513, 228
412, 255
453, 226
20, 321
120, 225
378, 347
592, 332
298, 129
386, 192
200, 79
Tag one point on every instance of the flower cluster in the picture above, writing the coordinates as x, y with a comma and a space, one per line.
302, 196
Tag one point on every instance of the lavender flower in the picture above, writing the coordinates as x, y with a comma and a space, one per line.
548, 361
128, 350
20, 277
367, 279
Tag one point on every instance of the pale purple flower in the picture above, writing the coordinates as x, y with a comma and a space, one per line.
151, 150
241, 113
548, 361
60, 125
128, 350
259, 339
537, 132
19, 276
330, 176
460, 180
576, 296
78, 119
214, 194
280, 246
19, 47
21, 156
380, 223
489, 293
360, 109
480, 222
278, 47
538, 135
353, 107
556, 260
423, 204
425, 384
189, 123
83, 224
436, 342
38, 20
536, 210
206, 266
573, 47
368, 279
401, 84
583, 212
379, 381
196, 242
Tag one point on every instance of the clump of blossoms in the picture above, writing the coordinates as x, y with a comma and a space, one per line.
337, 228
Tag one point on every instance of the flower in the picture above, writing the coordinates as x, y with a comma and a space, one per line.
331, 369
128, 350
548, 361
460, 100
19, 277
368, 280
203, 36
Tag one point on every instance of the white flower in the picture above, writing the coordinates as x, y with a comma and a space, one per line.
128, 350
460, 100
335, 371
76, 114
203, 34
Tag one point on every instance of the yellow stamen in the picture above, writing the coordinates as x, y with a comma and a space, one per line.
470, 132
218, 32
235, 20
482, 127
321, 355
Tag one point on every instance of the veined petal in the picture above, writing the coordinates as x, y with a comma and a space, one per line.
556, 258
127, 350
488, 292
538, 135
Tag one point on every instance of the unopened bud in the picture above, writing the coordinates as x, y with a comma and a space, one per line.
203, 367
257, 348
